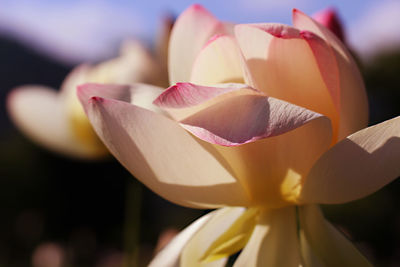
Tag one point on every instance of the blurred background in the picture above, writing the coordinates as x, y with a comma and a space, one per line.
56, 211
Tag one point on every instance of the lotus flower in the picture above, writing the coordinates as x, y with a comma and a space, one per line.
56, 119
282, 131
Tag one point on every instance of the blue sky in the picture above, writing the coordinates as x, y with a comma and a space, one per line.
80, 30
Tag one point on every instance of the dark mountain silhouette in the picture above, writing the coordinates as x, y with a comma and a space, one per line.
21, 65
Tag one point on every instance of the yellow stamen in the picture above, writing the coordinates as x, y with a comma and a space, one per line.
234, 239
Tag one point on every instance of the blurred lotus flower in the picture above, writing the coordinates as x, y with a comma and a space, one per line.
265, 152
49, 255
56, 119
330, 19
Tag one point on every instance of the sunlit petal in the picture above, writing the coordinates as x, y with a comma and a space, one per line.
218, 62
163, 155
353, 98
294, 66
193, 28
357, 166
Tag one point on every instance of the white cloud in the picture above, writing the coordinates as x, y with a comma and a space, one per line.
73, 31
377, 30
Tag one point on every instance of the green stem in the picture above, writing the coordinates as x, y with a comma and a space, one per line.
132, 223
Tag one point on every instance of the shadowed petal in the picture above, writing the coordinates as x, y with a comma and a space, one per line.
357, 166
325, 244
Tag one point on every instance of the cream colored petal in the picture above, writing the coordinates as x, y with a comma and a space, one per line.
328, 246
274, 241
219, 223
286, 64
169, 256
193, 28
162, 155
218, 62
40, 113
353, 98
357, 166
272, 169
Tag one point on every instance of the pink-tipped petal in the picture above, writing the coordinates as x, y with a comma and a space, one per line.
281, 61
353, 97
190, 33
220, 222
321, 242
40, 113
246, 118
218, 62
150, 145
357, 166
330, 19
170, 255
274, 241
